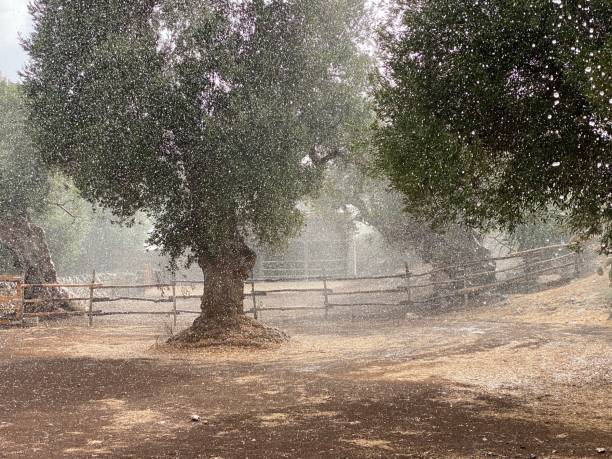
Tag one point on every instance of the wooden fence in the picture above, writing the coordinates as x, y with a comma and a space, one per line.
464, 285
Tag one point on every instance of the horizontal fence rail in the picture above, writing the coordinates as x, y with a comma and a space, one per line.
463, 286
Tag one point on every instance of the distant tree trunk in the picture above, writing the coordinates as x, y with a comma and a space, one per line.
27, 244
441, 249
447, 246
222, 321
452, 246
456, 245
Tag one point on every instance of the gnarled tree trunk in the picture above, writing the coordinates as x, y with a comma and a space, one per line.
222, 321
441, 248
26, 242
224, 281
454, 246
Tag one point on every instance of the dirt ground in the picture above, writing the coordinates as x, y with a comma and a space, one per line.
529, 377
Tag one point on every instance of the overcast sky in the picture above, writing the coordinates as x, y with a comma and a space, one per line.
14, 19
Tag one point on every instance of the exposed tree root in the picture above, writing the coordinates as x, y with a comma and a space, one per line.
235, 331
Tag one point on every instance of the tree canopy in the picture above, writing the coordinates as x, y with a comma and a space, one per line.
493, 111
212, 117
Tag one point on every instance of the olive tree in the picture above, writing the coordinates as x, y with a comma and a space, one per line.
211, 117
494, 111
24, 186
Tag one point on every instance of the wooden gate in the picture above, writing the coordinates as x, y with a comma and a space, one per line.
11, 305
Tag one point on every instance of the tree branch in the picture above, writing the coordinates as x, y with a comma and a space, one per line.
65, 210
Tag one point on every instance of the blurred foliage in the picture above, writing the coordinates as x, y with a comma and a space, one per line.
78, 238
23, 179
539, 231
494, 111
112, 247
64, 223
82, 238
606, 265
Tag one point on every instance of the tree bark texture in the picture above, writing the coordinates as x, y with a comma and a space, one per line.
222, 321
225, 275
27, 244
452, 246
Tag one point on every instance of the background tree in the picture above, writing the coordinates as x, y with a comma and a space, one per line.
373, 202
539, 231
493, 111
211, 117
82, 238
63, 223
24, 186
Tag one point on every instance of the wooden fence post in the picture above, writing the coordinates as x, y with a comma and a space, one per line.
91, 296
408, 288
52, 298
174, 297
255, 315
306, 262
577, 260
325, 297
20, 301
465, 286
